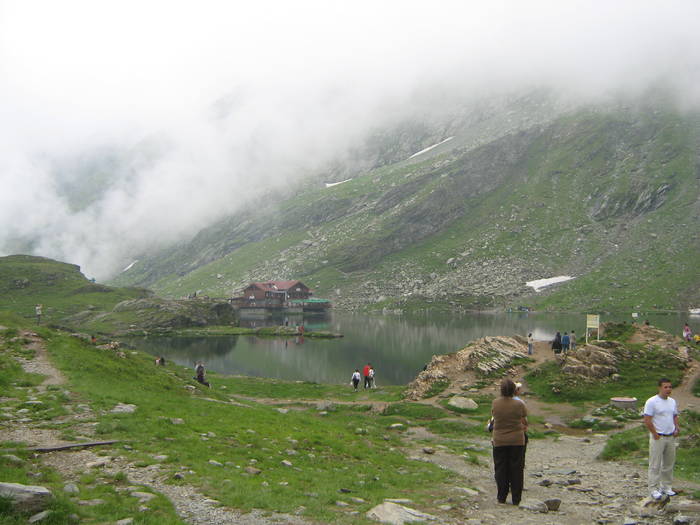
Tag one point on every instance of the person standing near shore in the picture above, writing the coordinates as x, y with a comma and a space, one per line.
365, 374
530, 343
37, 312
661, 419
355, 379
556, 344
565, 341
572, 340
687, 333
509, 427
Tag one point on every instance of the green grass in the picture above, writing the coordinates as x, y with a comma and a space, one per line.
639, 369
437, 387
345, 448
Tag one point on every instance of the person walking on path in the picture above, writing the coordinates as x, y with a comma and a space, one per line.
572, 340
565, 341
687, 333
530, 343
356, 379
661, 419
509, 427
37, 311
556, 344
365, 374
371, 377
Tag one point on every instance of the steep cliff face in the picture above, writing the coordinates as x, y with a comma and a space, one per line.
610, 196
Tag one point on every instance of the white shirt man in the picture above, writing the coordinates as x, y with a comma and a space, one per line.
661, 419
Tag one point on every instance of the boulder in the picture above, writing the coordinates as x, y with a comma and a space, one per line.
26, 498
534, 505
552, 503
396, 514
463, 403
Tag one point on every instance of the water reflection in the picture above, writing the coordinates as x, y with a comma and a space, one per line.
398, 347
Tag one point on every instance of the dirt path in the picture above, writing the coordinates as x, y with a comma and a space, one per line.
191, 505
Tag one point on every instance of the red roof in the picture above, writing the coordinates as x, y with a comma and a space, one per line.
279, 286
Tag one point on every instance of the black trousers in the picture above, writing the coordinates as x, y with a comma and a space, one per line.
509, 463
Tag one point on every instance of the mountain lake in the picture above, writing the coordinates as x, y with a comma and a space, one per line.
397, 346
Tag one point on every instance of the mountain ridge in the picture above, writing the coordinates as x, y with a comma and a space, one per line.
600, 193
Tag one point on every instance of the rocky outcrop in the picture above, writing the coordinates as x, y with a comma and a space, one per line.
155, 314
590, 361
485, 357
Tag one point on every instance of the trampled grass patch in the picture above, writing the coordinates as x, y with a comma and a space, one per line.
280, 389
415, 411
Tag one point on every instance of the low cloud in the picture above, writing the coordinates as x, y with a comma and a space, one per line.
131, 125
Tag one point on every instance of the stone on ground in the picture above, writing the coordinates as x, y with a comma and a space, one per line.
26, 498
463, 403
396, 514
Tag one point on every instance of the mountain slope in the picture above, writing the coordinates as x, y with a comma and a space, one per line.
607, 195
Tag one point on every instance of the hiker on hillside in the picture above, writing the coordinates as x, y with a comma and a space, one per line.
356, 379
509, 427
687, 333
37, 312
556, 344
661, 419
572, 340
530, 343
565, 341
371, 377
365, 374
199, 371
160, 361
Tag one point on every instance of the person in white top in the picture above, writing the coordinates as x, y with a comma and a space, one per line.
661, 419
356, 379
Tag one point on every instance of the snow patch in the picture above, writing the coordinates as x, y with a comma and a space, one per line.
331, 184
133, 263
430, 147
542, 283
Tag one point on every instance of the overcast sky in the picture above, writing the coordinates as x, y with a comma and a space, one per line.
204, 100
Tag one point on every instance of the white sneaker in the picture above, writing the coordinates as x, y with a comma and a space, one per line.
656, 494
670, 492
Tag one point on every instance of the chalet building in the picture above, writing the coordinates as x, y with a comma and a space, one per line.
276, 291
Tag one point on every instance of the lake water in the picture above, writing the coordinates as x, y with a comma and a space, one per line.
397, 347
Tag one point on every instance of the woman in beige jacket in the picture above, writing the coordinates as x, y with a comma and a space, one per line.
509, 427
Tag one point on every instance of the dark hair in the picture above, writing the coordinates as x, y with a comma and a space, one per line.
664, 380
507, 387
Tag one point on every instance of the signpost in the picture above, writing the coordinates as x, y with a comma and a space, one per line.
593, 323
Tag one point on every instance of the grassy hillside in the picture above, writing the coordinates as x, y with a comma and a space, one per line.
610, 196
70, 300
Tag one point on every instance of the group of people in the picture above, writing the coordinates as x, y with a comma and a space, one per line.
509, 425
367, 373
564, 343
